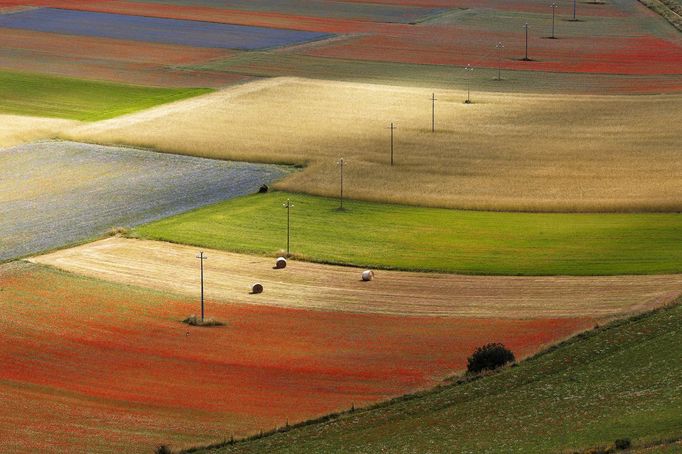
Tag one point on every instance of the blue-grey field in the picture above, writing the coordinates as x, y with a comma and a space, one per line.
56, 193
155, 30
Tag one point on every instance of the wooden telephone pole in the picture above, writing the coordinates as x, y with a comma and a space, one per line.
201, 258
341, 162
288, 205
433, 112
392, 128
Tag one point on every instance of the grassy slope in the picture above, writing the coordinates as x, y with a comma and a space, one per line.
393, 236
48, 96
620, 381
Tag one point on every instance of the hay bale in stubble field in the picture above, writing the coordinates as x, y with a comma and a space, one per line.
367, 275
257, 288
281, 263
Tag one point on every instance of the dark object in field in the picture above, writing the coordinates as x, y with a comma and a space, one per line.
367, 275
281, 263
623, 443
489, 357
193, 320
163, 449
263, 189
256, 288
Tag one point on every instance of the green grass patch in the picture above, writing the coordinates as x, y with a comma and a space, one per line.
413, 238
620, 381
76, 99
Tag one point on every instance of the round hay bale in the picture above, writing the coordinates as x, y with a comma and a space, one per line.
367, 275
281, 263
257, 288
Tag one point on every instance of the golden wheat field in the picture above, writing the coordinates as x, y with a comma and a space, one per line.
502, 152
17, 129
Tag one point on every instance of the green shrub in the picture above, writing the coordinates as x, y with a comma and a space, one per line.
489, 357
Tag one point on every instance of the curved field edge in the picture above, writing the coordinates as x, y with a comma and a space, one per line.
78, 99
54, 194
487, 155
327, 288
92, 366
430, 239
621, 380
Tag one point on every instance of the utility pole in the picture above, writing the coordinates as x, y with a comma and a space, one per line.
574, 10
470, 70
433, 112
288, 205
526, 27
341, 163
554, 7
499, 46
392, 128
201, 258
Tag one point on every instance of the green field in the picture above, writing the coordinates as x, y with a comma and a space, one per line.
413, 238
75, 99
269, 64
620, 381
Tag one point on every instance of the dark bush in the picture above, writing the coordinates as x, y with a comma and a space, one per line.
163, 449
623, 443
489, 357
263, 189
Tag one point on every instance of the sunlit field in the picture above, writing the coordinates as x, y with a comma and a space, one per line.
502, 152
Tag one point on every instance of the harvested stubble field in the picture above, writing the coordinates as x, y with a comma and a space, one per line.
90, 366
57, 193
429, 239
503, 152
229, 276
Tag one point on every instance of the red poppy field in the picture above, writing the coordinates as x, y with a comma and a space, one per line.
643, 55
93, 366
611, 43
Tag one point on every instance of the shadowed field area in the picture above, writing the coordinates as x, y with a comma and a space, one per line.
503, 152
619, 382
90, 366
429, 239
228, 277
57, 193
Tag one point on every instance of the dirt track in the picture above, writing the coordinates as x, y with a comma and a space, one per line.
228, 277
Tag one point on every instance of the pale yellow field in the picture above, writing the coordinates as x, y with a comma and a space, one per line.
17, 129
228, 278
507, 152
